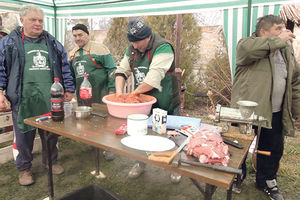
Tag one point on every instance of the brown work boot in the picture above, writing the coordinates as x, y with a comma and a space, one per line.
25, 177
57, 169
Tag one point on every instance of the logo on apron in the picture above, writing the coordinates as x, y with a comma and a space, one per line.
39, 61
79, 66
140, 76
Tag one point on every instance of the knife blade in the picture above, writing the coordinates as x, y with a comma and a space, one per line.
168, 156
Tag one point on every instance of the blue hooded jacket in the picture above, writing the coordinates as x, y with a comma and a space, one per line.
12, 61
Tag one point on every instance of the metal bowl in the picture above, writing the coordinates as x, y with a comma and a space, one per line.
83, 112
247, 108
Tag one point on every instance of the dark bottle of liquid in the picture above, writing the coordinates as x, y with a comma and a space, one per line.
85, 92
57, 101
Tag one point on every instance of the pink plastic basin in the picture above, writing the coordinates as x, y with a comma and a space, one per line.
121, 110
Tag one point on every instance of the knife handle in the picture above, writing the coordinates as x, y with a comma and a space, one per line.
164, 157
266, 153
232, 143
163, 154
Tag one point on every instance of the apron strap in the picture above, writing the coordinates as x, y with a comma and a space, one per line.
149, 58
23, 36
94, 60
134, 57
73, 58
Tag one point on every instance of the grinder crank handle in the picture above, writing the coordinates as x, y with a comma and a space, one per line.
164, 157
266, 153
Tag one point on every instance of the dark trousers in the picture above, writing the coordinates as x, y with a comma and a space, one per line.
270, 140
24, 143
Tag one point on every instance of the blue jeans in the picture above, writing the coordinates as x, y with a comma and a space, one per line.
24, 143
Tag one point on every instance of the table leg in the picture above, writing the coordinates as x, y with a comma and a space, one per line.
50, 175
97, 161
97, 172
207, 192
229, 193
239, 181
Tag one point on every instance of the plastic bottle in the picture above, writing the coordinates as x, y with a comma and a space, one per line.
85, 92
57, 101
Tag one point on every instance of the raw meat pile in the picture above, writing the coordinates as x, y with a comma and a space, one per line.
130, 98
208, 147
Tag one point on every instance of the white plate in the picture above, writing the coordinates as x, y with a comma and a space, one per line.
148, 143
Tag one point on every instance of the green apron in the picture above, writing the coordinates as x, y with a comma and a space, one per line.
165, 98
37, 80
97, 76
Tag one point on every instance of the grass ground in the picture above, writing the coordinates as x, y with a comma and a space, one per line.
154, 184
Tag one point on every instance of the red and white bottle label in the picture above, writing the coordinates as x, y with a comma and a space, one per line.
85, 93
57, 104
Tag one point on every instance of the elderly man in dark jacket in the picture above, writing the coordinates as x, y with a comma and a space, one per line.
267, 73
30, 58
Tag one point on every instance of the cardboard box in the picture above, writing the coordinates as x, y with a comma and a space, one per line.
159, 120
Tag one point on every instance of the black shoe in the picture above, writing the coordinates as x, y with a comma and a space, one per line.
274, 193
109, 156
272, 190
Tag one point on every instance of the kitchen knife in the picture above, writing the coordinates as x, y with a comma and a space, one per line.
168, 156
99, 114
215, 167
232, 143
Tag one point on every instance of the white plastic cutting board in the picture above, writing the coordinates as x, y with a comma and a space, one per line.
148, 143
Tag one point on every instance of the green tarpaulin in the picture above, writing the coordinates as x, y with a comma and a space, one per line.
238, 19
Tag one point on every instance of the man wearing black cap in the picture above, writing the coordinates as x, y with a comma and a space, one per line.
151, 59
95, 60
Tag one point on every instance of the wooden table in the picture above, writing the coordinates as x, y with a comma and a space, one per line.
99, 132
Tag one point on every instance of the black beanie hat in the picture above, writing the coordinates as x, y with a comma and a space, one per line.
81, 27
137, 30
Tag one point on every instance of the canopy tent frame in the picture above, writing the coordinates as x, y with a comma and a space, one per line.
239, 16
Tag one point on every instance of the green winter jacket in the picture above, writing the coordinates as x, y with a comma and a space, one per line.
254, 79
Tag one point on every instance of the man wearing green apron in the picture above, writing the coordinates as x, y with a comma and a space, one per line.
94, 59
30, 59
151, 60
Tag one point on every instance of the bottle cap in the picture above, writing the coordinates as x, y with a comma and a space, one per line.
85, 75
56, 79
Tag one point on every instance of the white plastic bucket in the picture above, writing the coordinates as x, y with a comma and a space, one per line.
137, 124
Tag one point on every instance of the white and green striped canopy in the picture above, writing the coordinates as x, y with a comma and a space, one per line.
236, 19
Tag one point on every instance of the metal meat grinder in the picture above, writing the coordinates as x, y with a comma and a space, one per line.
244, 116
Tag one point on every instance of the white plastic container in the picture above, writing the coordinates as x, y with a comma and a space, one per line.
137, 124
68, 106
